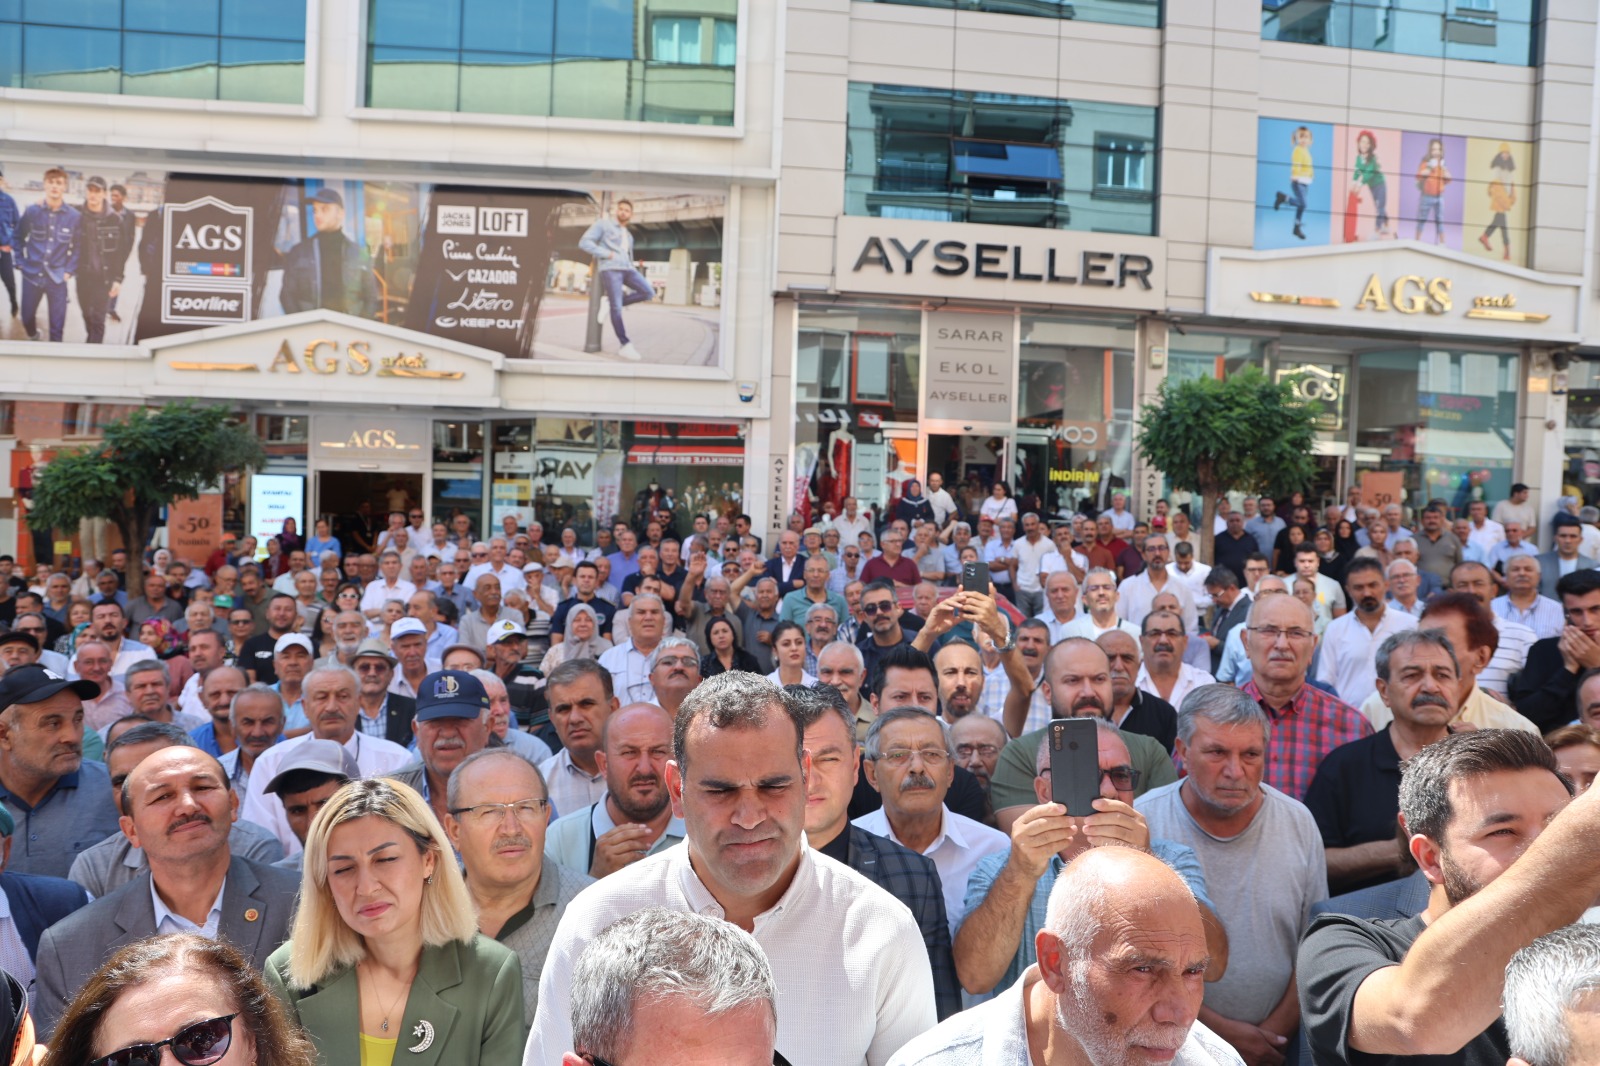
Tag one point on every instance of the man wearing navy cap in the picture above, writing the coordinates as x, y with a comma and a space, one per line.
328, 269
452, 723
59, 803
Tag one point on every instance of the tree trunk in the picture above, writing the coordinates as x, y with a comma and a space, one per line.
1209, 490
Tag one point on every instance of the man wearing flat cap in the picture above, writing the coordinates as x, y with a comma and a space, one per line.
328, 269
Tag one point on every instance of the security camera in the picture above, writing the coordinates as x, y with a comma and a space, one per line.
1562, 359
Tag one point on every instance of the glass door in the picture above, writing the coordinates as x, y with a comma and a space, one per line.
971, 463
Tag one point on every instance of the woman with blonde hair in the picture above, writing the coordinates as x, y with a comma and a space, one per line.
385, 955
188, 993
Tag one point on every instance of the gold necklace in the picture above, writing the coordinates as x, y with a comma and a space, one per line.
392, 1003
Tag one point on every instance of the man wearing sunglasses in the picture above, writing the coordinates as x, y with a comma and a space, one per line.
659, 972
1009, 893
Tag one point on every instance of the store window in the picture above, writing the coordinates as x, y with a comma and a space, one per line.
196, 49
457, 471
1119, 12
1074, 442
1489, 31
1582, 473
857, 374
646, 61
1444, 418
957, 156
674, 471
1195, 354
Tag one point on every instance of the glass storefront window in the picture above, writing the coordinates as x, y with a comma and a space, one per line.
857, 369
1444, 418
1581, 476
1489, 31
1119, 12
1196, 354
674, 471
1074, 412
457, 471
646, 61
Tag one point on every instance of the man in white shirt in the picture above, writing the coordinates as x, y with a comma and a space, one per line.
1136, 594
1100, 597
389, 586
1523, 603
1192, 572
1031, 551
1486, 532
510, 577
851, 523
910, 761
332, 701
745, 861
1349, 657
939, 498
1164, 674
1061, 603
629, 659
1121, 518
581, 702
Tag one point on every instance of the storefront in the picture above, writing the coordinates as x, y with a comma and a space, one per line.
939, 354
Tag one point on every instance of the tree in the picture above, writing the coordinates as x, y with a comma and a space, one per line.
144, 463
1242, 432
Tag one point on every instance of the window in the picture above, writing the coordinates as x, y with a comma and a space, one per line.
616, 60
1490, 31
195, 49
999, 158
1120, 12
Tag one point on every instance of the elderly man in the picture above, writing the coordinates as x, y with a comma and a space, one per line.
629, 660
59, 803
910, 761
842, 666
1164, 674
496, 564
1061, 603
1240, 828
108, 624
737, 740
1111, 906
383, 712
1523, 603
332, 700
452, 722
1515, 638
1136, 594
502, 718
193, 883
1008, 893
633, 819
1511, 856
822, 629
674, 672
1402, 587
581, 699
1132, 708
663, 971
92, 662
116, 860
1350, 643
490, 611
978, 741
349, 630
256, 722
408, 640
498, 813
216, 736
1100, 597
1550, 1005
389, 586
796, 604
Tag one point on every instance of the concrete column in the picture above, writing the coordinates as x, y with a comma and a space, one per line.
1540, 437
1149, 371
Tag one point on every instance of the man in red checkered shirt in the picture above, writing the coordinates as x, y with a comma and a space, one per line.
1307, 722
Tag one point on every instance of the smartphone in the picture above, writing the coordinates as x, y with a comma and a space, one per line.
975, 578
1074, 765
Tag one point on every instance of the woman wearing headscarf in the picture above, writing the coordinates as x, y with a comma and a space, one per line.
581, 640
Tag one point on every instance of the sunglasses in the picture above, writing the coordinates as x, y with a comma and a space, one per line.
199, 1044
874, 608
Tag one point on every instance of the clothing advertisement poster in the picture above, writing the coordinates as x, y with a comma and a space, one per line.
117, 255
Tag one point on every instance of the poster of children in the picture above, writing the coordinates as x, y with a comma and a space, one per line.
1326, 183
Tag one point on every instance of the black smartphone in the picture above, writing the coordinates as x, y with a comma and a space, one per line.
1074, 765
975, 578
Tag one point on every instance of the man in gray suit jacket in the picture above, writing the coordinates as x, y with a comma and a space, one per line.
1565, 559
181, 809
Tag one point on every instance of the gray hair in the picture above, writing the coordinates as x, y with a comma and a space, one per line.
657, 954
331, 669
453, 786
1412, 638
873, 743
815, 607
1400, 566
489, 677
1586, 515
150, 666
1543, 983
855, 652
261, 689
670, 642
1256, 602
1221, 705
732, 699
146, 732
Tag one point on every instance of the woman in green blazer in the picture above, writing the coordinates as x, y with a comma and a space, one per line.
385, 964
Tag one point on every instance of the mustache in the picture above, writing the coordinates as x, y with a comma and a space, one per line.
188, 820
1090, 700
638, 780
916, 779
1428, 699
520, 840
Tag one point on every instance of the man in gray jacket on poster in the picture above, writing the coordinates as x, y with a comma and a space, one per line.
611, 245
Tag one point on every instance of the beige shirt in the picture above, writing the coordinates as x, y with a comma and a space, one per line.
1480, 709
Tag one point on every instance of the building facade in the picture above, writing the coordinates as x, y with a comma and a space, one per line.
473, 257
1004, 225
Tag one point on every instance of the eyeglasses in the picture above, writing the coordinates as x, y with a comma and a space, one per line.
199, 1044
967, 751
882, 606
528, 812
1124, 778
677, 660
902, 756
1272, 633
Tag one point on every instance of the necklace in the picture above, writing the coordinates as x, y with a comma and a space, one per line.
384, 1025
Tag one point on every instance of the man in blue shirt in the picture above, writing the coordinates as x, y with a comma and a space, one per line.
612, 247
47, 250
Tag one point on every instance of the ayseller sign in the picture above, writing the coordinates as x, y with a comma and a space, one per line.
969, 368
911, 257
1404, 286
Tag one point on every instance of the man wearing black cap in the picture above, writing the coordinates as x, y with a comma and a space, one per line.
328, 269
104, 243
452, 723
60, 803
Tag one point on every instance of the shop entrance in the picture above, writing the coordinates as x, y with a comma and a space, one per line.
340, 494
970, 464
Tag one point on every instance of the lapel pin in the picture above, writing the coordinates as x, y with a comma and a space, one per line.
424, 1029
251, 915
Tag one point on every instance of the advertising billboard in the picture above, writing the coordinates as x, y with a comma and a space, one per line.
117, 255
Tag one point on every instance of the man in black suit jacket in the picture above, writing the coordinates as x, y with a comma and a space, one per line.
192, 882
1232, 608
788, 567
1132, 709
1546, 690
37, 903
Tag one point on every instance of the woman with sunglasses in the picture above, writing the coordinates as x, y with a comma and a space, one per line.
385, 964
181, 998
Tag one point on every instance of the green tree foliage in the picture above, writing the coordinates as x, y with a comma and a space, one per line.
144, 463
1242, 433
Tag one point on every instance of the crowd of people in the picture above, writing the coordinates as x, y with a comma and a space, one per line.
481, 799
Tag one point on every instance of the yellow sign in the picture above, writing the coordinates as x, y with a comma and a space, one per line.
323, 356
1409, 295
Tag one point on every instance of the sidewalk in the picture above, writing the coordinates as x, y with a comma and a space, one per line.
673, 336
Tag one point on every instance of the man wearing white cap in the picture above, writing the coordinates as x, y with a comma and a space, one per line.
291, 661
408, 640
332, 703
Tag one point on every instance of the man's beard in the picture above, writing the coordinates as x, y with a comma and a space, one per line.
1094, 1030
641, 813
1459, 886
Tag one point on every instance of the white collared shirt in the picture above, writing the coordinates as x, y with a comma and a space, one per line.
958, 849
1348, 660
1029, 557
381, 592
169, 921
1189, 679
1084, 626
1137, 593
1057, 629
630, 673
570, 786
854, 984
374, 757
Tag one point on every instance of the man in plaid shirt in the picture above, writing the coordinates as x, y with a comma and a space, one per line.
1307, 723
